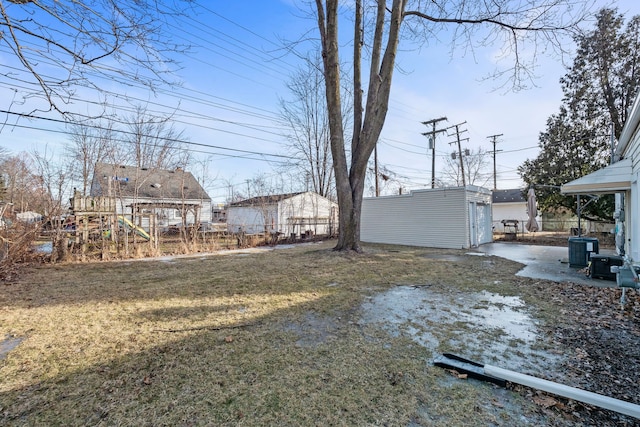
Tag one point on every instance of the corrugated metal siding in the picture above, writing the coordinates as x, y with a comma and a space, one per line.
433, 218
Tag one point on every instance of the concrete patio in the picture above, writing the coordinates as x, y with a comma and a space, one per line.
545, 262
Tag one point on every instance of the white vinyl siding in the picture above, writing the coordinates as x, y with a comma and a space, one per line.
167, 216
250, 219
437, 218
302, 213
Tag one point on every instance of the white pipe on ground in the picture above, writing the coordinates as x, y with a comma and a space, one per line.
596, 399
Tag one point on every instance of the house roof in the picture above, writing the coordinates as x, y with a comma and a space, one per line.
629, 129
613, 178
507, 196
264, 200
131, 181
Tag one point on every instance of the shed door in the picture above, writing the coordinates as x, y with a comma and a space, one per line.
479, 223
485, 234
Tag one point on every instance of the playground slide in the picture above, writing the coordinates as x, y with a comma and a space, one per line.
131, 226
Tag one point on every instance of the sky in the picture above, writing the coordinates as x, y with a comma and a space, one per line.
235, 74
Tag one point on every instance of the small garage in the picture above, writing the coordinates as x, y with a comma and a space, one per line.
453, 217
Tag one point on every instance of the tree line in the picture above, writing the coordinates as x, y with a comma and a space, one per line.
599, 88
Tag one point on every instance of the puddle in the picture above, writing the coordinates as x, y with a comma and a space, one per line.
445, 257
44, 248
314, 329
7, 344
506, 313
482, 326
485, 327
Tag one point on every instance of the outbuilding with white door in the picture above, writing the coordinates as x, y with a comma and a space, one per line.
452, 217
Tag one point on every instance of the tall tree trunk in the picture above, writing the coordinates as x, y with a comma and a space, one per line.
350, 178
328, 27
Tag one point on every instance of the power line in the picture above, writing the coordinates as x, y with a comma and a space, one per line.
172, 94
130, 77
196, 115
217, 147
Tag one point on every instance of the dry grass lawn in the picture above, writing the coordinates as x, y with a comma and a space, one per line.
267, 338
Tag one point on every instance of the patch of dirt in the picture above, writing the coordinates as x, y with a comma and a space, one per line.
602, 342
601, 337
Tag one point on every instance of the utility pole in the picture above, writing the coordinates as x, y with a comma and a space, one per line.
494, 140
432, 142
464, 183
375, 168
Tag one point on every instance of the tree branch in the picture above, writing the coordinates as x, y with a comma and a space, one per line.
488, 20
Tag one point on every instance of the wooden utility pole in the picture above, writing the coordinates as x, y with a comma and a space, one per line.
494, 140
464, 179
375, 168
433, 146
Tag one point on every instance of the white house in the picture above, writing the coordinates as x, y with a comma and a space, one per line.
456, 217
620, 178
175, 196
510, 205
29, 216
287, 214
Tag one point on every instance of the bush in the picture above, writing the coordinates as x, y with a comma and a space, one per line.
16, 247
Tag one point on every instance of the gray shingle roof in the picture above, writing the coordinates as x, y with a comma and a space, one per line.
130, 181
507, 196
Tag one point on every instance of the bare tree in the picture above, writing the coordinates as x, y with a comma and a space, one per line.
386, 182
476, 164
306, 118
3, 181
152, 141
62, 45
22, 186
141, 139
538, 22
88, 146
54, 179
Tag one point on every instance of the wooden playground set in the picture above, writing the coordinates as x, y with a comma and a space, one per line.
97, 219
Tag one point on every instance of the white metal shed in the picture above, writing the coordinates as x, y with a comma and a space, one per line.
454, 217
287, 214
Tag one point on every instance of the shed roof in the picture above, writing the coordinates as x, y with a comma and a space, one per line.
152, 183
264, 200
